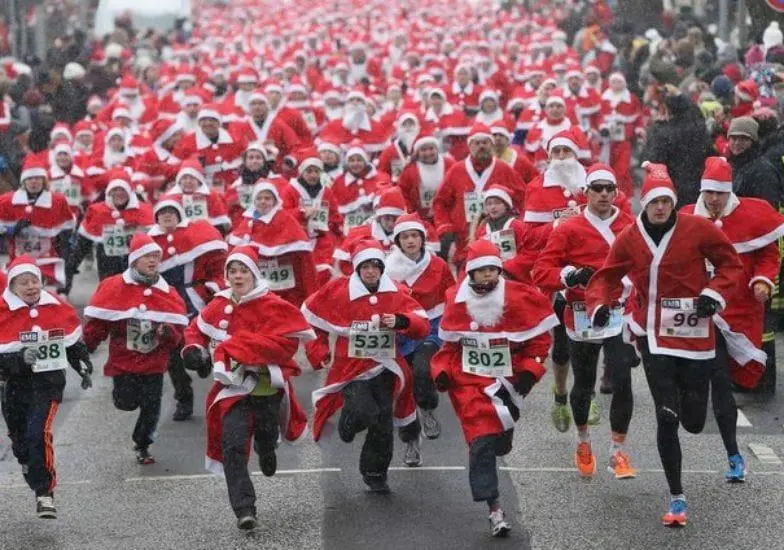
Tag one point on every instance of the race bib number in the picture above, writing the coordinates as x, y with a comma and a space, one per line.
278, 276
245, 196
396, 167
310, 119
582, 324
116, 240
28, 242
506, 242
354, 219
140, 336
679, 319
565, 212
71, 190
487, 357
49, 349
195, 207
618, 131
318, 222
472, 203
426, 197
369, 342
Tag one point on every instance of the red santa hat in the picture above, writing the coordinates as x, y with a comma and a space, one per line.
747, 91
23, 264
62, 130
406, 115
260, 147
618, 77
499, 192
425, 138
62, 147
265, 185
211, 110
247, 256
35, 166
488, 94
504, 127
307, 158
657, 183
168, 203
128, 85
94, 100
482, 253
141, 245
479, 131
599, 172
555, 98
564, 138
119, 180
258, 95
356, 94
717, 175
367, 249
163, 129
356, 147
409, 222
436, 91
273, 86
121, 111
247, 76
82, 127
191, 167
329, 146
390, 203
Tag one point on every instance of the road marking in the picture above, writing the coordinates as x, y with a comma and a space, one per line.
743, 420
574, 470
177, 477
427, 468
765, 454
11, 486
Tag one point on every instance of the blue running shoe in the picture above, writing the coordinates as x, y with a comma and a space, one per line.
676, 514
737, 471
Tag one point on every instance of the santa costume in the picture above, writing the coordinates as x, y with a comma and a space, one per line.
203, 203
420, 182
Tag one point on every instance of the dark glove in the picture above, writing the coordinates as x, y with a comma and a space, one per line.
87, 381
401, 322
164, 331
195, 359
706, 306
442, 382
524, 383
446, 242
602, 317
21, 225
79, 355
579, 276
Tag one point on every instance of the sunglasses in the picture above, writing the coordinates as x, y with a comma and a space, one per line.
598, 187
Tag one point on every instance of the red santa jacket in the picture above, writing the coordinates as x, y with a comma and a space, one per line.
464, 98
515, 158
273, 130
285, 253
48, 217
205, 204
102, 222
373, 136
260, 330
753, 227
239, 196
509, 240
73, 185
344, 306
481, 403
621, 114
420, 182
355, 196
220, 160
129, 314
667, 279
582, 241
427, 280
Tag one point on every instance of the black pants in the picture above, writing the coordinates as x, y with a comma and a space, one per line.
560, 350
143, 392
180, 379
368, 403
425, 392
482, 471
724, 408
585, 356
258, 416
680, 393
29, 417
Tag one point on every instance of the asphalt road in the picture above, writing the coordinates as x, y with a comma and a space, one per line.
317, 500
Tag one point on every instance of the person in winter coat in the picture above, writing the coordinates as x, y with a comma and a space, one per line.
144, 319
249, 335
753, 175
684, 123
41, 336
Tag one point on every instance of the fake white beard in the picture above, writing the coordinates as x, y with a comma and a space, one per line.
407, 138
112, 159
333, 113
354, 118
486, 310
489, 118
399, 266
567, 173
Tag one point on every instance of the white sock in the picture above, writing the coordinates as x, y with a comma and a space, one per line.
677, 497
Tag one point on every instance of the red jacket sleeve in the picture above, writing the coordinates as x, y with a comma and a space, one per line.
551, 262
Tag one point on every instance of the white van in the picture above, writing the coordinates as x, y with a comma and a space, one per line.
155, 14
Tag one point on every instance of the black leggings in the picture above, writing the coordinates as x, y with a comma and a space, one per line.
425, 392
585, 356
680, 393
724, 408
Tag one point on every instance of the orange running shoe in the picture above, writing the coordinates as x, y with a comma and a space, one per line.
620, 465
676, 514
584, 459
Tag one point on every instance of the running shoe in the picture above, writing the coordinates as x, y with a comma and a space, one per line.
498, 526
376, 484
584, 459
676, 514
737, 471
605, 386
346, 429
562, 417
144, 457
412, 456
44, 507
621, 466
430, 424
268, 463
593, 413
183, 411
246, 522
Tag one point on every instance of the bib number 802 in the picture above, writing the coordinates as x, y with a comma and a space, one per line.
486, 359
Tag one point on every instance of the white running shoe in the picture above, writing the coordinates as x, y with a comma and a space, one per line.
498, 526
412, 456
44, 506
430, 425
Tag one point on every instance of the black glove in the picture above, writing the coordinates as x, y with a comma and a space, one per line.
579, 276
21, 225
87, 381
524, 383
401, 322
446, 242
79, 355
442, 382
706, 306
192, 358
602, 317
